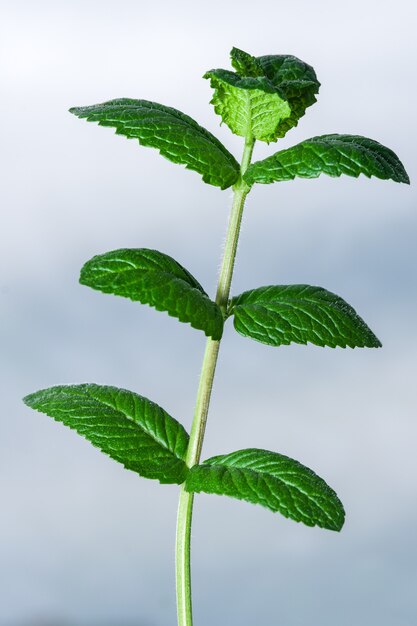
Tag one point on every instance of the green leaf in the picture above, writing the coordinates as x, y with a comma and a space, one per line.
267, 95
272, 480
298, 83
153, 278
130, 429
249, 106
282, 314
329, 154
177, 137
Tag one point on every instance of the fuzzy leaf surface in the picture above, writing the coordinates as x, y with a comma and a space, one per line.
272, 480
154, 278
333, 155
177, 136
283, 314
129, 428
265, 97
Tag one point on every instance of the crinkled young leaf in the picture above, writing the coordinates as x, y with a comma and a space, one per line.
298, 83
272, 480
177, 136
129, 428
249, 106
265, 97
329, 154
153, 278
282, 314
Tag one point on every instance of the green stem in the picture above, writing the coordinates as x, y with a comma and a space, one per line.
185, 506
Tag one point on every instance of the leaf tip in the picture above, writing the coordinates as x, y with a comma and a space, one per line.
29, 400
337, 526
235, 53
336, 519
83, 278
372, 342
33, 400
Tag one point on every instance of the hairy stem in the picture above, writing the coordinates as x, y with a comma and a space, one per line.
185, 507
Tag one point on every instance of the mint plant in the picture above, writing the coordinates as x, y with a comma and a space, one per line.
261, 100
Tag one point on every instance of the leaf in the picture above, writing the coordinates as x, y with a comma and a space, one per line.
298, 83
249, 106
129, 428
267, 95
153, 278
329, 154
272, 480
282, 314
177, 137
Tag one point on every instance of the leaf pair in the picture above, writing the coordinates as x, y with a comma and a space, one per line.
263, 99
144, 438
275, 315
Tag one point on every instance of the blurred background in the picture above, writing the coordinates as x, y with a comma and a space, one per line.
83, 542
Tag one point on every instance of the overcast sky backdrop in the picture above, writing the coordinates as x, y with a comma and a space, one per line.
83, 542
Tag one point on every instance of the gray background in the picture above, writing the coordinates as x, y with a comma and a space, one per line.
84, 542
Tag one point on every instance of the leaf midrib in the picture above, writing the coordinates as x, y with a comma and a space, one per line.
131, 419
187, 123
166, 274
